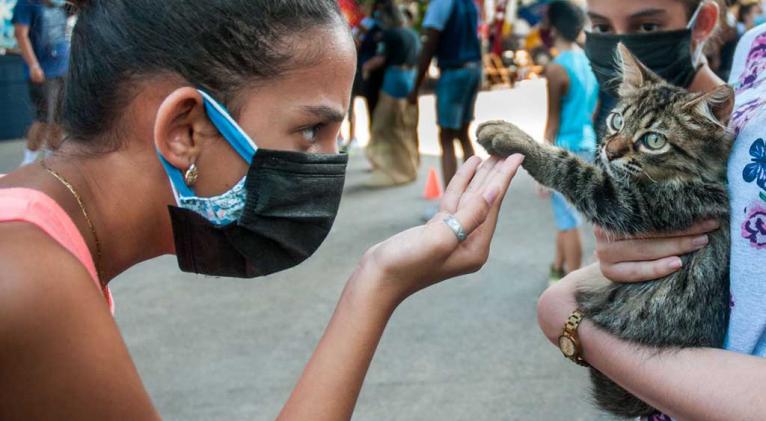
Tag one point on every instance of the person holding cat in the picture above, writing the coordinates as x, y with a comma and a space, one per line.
572, 102
690, 383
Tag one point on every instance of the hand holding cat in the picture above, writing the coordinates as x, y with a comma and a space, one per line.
627, 260
621, 260
428, 254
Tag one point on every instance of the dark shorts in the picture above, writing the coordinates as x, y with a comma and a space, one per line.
456, 94
46, 98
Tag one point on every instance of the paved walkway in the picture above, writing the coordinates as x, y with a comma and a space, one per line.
470, 349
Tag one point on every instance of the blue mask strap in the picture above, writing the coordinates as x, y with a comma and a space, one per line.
180, 189
229, 129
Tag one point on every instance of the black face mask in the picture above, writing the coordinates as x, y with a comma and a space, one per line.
668, 54
292, 201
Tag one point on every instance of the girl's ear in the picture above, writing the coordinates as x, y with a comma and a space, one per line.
178, 121
707, 22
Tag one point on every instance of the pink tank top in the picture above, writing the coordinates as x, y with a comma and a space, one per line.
36, 208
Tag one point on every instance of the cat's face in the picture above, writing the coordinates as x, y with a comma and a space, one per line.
662, 132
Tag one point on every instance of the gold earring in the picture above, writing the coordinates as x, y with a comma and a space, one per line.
192, 174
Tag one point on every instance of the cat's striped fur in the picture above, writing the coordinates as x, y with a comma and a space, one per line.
633, 190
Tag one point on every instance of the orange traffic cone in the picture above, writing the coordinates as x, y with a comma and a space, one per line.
433, 186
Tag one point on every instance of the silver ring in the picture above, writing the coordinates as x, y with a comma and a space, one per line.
455, 226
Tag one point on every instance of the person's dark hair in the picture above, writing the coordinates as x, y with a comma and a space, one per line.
567, 18
217, 45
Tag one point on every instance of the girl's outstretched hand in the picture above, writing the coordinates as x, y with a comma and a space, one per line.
390, 272
429, 254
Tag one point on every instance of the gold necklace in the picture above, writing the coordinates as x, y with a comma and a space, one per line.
78, 198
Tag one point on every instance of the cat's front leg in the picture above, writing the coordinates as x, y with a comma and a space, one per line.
503, 139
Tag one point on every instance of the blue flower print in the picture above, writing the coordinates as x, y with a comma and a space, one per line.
756, 170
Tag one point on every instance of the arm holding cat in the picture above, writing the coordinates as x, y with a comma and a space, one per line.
689, 384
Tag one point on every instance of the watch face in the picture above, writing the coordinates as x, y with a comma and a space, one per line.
567, 346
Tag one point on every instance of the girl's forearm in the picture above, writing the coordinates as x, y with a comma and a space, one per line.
690, 384
330, 384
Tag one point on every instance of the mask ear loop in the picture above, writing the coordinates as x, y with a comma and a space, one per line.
229, 129
690, 26
177, 182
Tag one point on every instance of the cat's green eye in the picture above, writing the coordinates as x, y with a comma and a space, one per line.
615, 122
654, 141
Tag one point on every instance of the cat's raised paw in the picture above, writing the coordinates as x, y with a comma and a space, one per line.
503, 139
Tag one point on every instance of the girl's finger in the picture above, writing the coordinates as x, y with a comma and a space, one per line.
500, 179
484, 171
459, 184
647, 250
641, 271
476, 206
703, 227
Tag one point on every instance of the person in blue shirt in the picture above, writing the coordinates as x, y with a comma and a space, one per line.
40, 27
572, 102
452, 36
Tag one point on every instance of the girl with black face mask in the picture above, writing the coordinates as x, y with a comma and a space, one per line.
210, 133
668, 36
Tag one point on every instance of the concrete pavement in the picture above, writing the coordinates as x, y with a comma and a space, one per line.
469, 349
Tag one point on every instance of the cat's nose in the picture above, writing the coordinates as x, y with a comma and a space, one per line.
617, 149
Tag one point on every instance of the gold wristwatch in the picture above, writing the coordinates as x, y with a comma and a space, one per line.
569, 341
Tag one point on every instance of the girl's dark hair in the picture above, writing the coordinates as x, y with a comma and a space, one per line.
217, 45
567, 18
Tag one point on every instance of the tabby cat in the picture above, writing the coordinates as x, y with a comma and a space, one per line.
660, 168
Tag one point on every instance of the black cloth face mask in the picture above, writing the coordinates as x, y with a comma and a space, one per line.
292, 201
274, 219
668, 54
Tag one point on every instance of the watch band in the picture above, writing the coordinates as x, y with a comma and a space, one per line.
570, 337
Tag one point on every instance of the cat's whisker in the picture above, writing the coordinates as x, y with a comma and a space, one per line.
649, 176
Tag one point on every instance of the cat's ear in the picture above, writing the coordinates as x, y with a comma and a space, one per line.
716, 105
634, 73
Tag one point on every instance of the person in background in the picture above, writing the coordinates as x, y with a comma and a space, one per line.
720, 50
748, 12
354, 15
393, 148
367, 36
451, 29
40, 27
572, 102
